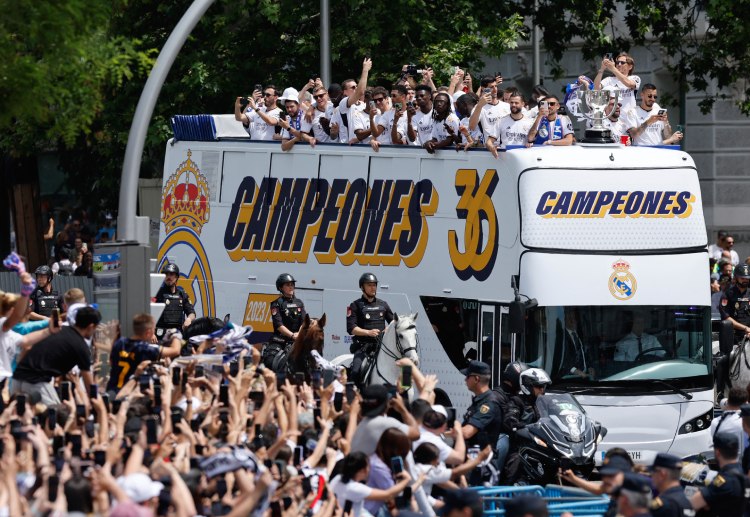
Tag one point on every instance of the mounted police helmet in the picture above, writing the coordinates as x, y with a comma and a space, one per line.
284, 278
533, 377
367, 278
512, 374
171, 268
44, 270
742, 271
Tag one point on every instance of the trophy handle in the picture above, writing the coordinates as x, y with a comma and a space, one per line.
584, 107
614, 106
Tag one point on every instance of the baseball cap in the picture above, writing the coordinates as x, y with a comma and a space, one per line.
667, 461
139, 487
614, 465
476, 368
374, 400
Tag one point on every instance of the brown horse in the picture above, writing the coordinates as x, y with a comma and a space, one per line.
310, 337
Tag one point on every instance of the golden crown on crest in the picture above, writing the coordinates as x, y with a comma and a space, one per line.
185, 198
621, 265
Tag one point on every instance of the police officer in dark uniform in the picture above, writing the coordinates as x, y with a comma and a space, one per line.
745, 415
44, 300
633, 496
671, 501
735, 304
178, 311
287, 314
366, 319
727, 494
483, 420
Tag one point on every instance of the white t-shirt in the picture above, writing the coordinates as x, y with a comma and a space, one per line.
627, 96
9, 343
258, 129
476, 135
369, 431
511, 132
425, 436
342, 110
491, 115
653, 133
433, 476
351, 491
422, 124
386, 121
360, 121
439, 133
317, 128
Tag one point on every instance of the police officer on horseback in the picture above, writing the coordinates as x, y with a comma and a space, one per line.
735, 304
178, 311
287, 314
366, 319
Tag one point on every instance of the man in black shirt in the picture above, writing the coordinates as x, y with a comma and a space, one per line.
56, 356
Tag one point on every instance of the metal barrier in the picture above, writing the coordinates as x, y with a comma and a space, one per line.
559, 500
9, 283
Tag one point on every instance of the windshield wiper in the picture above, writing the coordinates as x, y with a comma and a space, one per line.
679, 391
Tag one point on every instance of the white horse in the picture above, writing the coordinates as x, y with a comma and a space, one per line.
398, 340
739, 366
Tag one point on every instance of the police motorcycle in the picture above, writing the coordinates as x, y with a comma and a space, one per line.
564, 437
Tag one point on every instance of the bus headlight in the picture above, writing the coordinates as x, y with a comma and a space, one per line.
697, 424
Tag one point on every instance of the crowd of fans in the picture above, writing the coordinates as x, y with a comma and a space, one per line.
459, 115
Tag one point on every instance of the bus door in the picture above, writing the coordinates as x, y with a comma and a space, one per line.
494, 339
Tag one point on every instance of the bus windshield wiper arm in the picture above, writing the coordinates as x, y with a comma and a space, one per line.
688, 396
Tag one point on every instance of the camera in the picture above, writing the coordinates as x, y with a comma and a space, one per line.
412, 70
410, 104
314, 76
243, 103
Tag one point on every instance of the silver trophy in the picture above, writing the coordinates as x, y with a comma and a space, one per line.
593, 107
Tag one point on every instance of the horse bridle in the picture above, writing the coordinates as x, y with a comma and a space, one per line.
399, 348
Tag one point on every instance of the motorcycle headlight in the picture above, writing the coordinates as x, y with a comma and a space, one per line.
540, 442
697, 424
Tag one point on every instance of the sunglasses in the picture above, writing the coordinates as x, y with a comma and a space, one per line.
652, 96
319, 96
621, 63
268, 94
379, 99
552, 103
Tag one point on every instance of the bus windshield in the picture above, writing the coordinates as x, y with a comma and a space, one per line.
605, 345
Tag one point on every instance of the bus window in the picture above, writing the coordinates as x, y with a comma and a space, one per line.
456, 325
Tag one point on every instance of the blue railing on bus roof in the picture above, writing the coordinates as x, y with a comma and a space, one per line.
199, 128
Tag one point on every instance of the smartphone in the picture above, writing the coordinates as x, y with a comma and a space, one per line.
306, 486
53, 484
89, 428
217, 368
258, 88
80, 411
662, 112
20, 404
144, 381
451, 420
184, 379
608, 56
299, 378
328, 376
299, 455
338, 401
404, 499
105, 400
199, 371
77, 441
406, 376
157, 398
347, 507
280, 380
247, 361
487, 91
258, 398
176, 376
372, 105
65, 390
58, 442
349, 392
151, 431
195, 425
116, 406
234, 368
544, 104
55, 318
316, 376
224, 417
93, 391
176, 419
100, 457
397, 464
398, 106
224, 394
316, 418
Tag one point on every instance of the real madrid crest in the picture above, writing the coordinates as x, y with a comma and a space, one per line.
622, 283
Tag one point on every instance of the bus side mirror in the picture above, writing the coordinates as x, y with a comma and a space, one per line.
726, 337
517, 314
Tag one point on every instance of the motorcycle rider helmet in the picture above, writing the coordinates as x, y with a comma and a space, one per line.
171, 268
512, 374
742, 271
45, 270
533, 377
284, 278
367, 278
